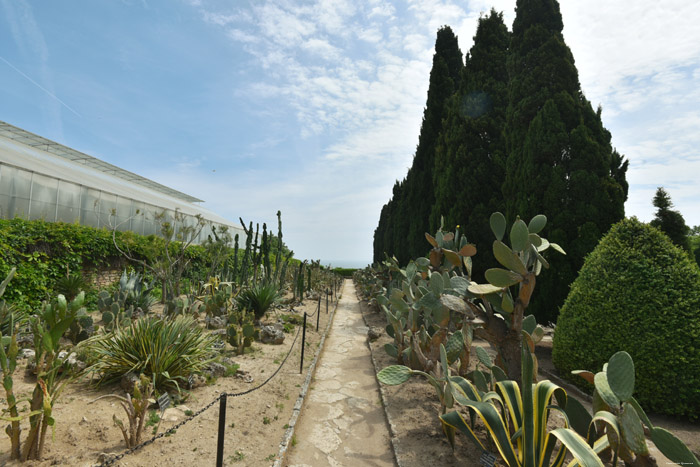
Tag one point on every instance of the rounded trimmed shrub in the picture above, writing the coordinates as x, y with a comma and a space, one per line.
640, 293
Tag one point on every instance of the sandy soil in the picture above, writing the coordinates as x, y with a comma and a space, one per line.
413, 409
255, 423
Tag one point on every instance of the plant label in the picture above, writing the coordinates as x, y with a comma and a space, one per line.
487, 459
164, 401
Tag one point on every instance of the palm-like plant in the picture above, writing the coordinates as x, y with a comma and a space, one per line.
259, 298
166, 351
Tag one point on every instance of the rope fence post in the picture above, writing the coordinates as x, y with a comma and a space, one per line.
303, 342
318, 312
326, 301
222, 429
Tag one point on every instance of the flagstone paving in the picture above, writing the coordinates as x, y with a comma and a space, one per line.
343, 422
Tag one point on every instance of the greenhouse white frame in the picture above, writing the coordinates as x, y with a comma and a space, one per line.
41, 179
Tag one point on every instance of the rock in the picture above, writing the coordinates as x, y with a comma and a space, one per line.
62, 355
172, 414
215, 322
214, 370
219, 332
83, 421
244, 375
273, 334
26, 353
74, 363
128, 382
374, 333
25, 340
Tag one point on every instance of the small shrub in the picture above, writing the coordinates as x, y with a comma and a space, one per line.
639, 293
71, 285
167, 351
258, 298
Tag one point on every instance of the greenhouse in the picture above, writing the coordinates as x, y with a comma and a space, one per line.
41, 179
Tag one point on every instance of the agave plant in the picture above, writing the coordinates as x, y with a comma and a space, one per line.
258, 298
166, 351
516, 420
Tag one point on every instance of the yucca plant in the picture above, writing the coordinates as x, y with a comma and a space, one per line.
519, 429
258, 298
166, 351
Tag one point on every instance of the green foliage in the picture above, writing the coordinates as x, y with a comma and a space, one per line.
560, 158
258, 298
42, 251
516, 418
405, 218
433, 297
82, 328
131, 299
345, 272
241, 331
217, 298
669, 221
166, 351
470, 151
518, 136
71, 285
639, 293
47, 326
622, 420
136, 408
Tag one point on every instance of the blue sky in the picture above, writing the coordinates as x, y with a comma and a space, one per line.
314, 107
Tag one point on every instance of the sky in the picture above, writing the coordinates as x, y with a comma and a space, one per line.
314, 107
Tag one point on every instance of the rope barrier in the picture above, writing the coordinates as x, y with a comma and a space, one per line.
174, 428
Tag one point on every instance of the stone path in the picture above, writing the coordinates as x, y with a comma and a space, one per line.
342, 422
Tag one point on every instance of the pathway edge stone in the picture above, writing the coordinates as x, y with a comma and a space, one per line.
395, 444
298, 405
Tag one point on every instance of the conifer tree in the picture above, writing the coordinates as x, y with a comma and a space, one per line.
470, 153
444, 80
560, 160
407, 214
669, 221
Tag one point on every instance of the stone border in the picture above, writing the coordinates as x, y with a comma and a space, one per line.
392, 428
299, 404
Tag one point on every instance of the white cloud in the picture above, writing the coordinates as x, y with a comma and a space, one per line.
366, 100
321, 48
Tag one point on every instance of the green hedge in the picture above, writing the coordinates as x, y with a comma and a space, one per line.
639, 293
41, 251
344, 272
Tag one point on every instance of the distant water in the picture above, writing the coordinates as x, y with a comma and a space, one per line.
346, 263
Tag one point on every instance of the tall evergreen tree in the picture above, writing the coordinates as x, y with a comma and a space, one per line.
470, 153
407, 214
560, 160
669, 221
444, 80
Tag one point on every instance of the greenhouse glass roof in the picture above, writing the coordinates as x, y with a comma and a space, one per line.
35, 141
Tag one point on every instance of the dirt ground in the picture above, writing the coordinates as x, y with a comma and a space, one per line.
413, 408
85, 434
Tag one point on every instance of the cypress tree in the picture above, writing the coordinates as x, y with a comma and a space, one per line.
470, 153
444, 80
669, 221
406, 217
560, 161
